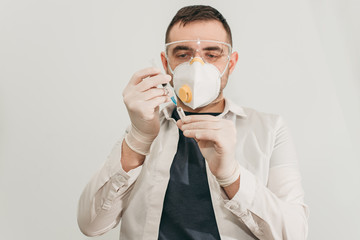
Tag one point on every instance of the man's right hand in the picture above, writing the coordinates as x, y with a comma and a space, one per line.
142, 99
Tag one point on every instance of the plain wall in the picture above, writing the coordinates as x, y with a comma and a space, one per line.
64, 64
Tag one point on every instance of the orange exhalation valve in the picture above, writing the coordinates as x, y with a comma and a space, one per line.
185, 94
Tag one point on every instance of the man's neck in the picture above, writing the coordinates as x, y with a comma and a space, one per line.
216, 106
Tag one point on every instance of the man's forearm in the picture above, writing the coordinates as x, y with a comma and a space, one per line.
129, 158
232, 189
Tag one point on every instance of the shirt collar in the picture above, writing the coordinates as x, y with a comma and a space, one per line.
229, 107
167, 109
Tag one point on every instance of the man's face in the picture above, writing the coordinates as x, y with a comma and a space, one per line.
202, 30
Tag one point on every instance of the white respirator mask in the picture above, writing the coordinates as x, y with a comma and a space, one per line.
197, 83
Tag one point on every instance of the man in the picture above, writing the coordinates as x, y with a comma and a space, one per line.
221, 172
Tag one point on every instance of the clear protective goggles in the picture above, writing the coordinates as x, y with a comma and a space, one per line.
213, 52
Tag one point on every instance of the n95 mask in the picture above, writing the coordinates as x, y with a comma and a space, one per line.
196, 83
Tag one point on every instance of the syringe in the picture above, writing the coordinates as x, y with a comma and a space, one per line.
167, 87
170, 93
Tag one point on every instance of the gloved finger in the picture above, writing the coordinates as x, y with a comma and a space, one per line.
157, 101
202, 134
140, 75
179, 123
199, 118
210, 125
153, 82
154, 92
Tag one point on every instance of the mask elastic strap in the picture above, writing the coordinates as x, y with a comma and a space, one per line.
227, 64
172, 72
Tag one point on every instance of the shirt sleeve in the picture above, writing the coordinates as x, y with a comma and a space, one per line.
102, 201
275, 211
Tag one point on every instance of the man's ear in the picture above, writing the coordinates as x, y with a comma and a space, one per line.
164, 61
233, 60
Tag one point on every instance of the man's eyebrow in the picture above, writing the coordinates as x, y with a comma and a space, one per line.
180, 47
213, 48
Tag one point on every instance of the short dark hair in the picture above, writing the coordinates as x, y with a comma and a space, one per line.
197, 13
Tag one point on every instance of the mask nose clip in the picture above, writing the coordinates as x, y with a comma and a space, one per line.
197, 59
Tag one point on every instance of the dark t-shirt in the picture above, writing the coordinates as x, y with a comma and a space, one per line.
188, 212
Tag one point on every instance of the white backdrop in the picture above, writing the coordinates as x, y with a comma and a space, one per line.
64, 64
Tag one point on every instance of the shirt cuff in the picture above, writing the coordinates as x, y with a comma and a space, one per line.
243, 199
120, 180
114, 167
241, 203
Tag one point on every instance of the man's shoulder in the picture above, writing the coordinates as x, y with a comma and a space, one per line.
255, 117
250, 113
254, 113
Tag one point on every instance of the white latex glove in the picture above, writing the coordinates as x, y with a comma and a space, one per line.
142, 99
216, 138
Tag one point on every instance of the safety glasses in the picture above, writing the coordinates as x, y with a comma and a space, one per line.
213, 52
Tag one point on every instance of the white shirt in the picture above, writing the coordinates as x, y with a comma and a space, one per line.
268, 205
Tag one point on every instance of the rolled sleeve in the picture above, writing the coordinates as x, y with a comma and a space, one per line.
243, 199
242, 202
103, 199
119, 180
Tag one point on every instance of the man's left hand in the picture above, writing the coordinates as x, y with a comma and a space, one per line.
216, 138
